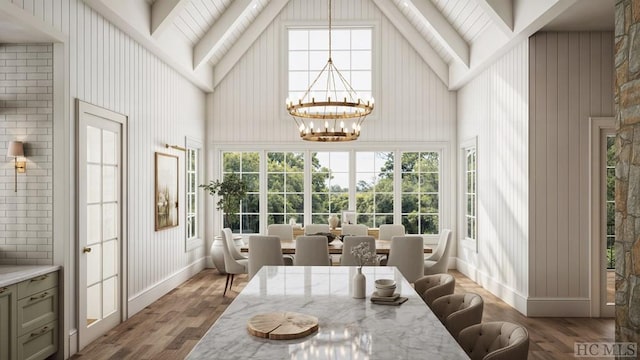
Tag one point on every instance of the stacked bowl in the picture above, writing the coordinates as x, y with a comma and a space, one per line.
385, 287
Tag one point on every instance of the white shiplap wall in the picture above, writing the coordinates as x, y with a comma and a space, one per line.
111, 70
412, 104
571, 80
493, 107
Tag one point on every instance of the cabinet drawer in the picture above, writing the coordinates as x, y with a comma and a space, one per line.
40, 343
37, 284
37, 310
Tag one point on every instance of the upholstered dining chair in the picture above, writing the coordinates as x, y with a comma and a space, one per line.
497, 340
311, 229
458, 311
284, 231
387, 231
431, 287
438, 262
232, 265
347, 259
355, 229
312, 250
264, 250
406, 253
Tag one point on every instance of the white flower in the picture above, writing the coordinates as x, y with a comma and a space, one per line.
363, 254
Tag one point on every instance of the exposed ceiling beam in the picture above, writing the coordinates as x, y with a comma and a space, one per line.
225, 25
500, 12
133, 18
529, 17
163, 12
250, 35
442, 29
421, 46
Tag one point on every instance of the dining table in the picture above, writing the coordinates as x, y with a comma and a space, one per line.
335, 247
348, 328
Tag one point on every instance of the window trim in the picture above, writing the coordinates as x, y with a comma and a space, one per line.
465, 241
197, 241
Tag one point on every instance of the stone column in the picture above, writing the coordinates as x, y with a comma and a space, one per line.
627, 96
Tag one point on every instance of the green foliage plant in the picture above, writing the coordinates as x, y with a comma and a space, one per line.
231, 190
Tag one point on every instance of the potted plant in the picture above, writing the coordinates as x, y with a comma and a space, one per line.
230, 191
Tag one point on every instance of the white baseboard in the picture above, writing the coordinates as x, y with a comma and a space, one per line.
559, 307
155, 292
452, 263
504, 292
73, 342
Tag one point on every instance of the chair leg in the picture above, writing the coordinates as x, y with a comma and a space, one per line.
226, 284
231, 284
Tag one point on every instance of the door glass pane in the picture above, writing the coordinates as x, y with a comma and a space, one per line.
109, 296
94, 183
94, 224
93, 144
94, 303
109, 258
94, 267
109, 221
109, 149
109, 191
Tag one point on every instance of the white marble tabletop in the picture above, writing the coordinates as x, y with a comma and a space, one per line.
12, 274
348, 328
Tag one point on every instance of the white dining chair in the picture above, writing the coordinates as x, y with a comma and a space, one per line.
347, 259
312, 250
264, 250
311, 229
232, 265
284, 231
438, 262
387, 231
407, 254
355, 229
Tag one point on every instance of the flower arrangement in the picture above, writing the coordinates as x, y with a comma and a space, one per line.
363, 254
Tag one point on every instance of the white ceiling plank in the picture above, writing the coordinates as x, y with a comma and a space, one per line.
17, 25
500, 12
170, 48
225, 25
251, 34
442, 30
163, 13
420, 45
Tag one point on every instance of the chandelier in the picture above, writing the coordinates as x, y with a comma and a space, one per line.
337, 110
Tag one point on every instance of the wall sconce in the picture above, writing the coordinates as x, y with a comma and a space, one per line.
16, 150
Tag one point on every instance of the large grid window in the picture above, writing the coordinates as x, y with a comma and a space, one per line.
470, 193
420, 192
285, 187
192, 193
374, 188
329, 185
247, 166
351, 54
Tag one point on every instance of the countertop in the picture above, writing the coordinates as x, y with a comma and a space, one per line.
12, 274
348, 328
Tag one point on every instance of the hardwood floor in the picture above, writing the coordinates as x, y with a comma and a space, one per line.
170, 327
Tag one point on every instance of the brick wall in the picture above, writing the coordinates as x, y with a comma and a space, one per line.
26, 108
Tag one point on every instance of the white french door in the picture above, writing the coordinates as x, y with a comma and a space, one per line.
101, 154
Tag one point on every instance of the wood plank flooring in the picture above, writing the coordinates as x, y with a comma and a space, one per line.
170, 327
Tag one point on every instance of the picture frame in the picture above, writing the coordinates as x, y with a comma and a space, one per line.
166, 191
348, 217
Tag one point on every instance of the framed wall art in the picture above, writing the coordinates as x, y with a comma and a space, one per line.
166, 191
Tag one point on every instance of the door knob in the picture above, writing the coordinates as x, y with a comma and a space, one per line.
86, 250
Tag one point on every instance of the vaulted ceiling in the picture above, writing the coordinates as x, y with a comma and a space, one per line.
203, 39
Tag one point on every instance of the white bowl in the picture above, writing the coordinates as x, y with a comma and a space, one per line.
385, 283
386, 291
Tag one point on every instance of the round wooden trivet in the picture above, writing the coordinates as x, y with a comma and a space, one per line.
282, 325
